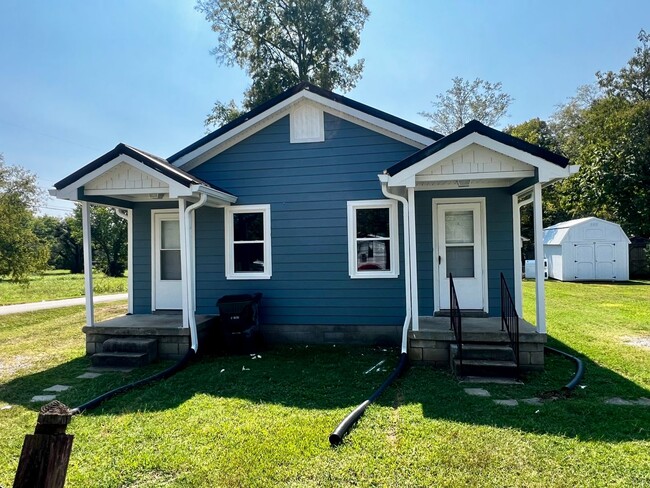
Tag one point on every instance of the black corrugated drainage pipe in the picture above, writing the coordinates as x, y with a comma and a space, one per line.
172, 370
580, 369
336, 437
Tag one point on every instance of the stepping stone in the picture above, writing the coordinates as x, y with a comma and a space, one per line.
57, 388
481, 392
617, 401
109, 369
533, 401
42, 398
507, 403
89, 376
488, 380
643, 401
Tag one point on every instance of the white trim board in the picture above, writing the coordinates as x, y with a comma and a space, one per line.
228, 213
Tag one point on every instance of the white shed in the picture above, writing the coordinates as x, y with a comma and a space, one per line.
587, 249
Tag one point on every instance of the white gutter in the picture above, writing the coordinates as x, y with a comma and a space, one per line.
407, 258
189, 265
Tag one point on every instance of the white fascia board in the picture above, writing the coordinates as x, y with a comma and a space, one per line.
478, 176
547, 170
264, 119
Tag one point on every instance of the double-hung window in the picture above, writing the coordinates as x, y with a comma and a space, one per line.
373, 239
248, 242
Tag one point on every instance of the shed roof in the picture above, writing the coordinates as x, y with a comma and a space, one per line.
556, 234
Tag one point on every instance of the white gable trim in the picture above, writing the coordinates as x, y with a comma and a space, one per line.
70, 192
547, 171
212, 148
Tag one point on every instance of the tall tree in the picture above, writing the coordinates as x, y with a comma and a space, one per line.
467, 100
282, 42
22, 253
606, 130
64, 238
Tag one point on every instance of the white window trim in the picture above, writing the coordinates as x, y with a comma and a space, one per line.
229, 241
353, 206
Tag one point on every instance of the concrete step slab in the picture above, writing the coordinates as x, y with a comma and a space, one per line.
121, 359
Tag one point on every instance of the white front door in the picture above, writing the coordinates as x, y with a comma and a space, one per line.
166, 261
460, 251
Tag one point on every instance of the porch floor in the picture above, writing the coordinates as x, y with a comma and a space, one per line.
167, 328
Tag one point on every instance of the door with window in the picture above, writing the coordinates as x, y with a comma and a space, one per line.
166, 265
460, 251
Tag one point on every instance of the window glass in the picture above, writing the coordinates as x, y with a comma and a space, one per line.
373, 222
459, 227
249, 257
248, 226
170, 264
460, 261
373, 255
170, 234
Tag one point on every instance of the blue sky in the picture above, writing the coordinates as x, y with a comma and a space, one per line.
79, 76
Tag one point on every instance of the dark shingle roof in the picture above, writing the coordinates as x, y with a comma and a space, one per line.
476, 126
289, 93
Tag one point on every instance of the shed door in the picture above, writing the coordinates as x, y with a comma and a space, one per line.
167, 282
584, 261
605, 254
460, 251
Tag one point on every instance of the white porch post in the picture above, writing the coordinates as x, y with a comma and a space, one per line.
539, 261
516, 241
88, 263
415, 318
129, 238
182, 221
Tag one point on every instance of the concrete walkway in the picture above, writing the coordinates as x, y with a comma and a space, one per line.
31, 307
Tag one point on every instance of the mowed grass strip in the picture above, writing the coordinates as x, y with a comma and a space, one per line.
56, 285
238, 421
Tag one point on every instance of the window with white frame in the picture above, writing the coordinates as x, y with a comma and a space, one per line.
248, 242
373, 239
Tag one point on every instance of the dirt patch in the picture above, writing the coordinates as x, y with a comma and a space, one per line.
643, 342
10, 366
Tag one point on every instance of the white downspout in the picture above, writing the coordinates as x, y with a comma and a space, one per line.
128, 216
189, 265
407, 261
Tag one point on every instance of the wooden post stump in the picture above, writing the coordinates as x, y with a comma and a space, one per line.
45, 455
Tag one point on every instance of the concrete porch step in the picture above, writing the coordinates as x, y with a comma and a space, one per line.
485, 367
119, 344
120, 359
494, 352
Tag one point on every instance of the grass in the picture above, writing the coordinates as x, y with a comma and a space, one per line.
238, 421
58, 284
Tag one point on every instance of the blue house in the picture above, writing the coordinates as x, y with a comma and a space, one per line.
349, 220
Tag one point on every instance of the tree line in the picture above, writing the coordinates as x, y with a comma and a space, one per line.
32, 243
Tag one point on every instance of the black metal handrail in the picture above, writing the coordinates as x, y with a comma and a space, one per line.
455, 323
510, 318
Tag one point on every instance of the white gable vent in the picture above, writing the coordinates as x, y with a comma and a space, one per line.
306, 124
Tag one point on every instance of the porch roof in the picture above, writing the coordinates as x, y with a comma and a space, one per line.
161, 176
475, 126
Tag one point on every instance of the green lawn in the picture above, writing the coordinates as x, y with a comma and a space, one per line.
239, 421
54, 285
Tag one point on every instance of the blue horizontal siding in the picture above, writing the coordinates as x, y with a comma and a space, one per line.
307, 186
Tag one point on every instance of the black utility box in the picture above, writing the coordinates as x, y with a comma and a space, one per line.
239, 322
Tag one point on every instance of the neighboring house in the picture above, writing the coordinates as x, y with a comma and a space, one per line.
588, 249
346, 218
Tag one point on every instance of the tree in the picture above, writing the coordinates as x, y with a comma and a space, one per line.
464, 101
632, 82
280, 43
22, 253
109, 238
606, 130
64, 238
